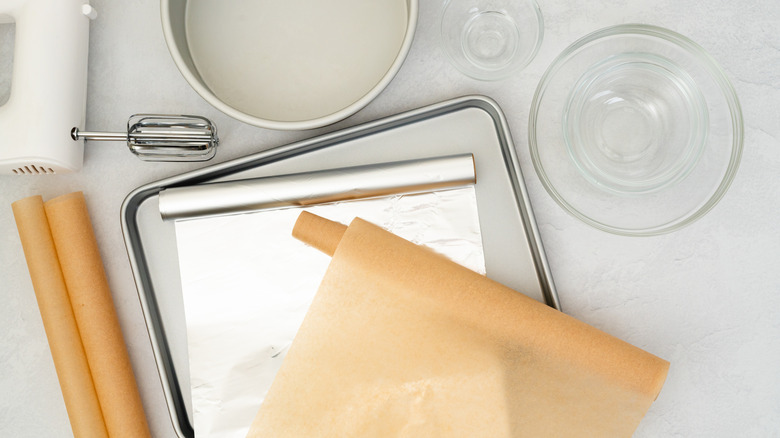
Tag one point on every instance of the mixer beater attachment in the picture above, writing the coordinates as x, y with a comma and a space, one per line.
155, 137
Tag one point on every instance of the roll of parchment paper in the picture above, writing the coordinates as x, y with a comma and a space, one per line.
400, 341
70, 361
96, 317
78, 313
317, 187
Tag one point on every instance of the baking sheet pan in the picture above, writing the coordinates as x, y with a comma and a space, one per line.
472, 124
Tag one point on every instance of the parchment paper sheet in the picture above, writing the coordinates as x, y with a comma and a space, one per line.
401, 342
247, 285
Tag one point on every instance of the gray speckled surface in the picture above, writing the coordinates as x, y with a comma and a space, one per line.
706, 297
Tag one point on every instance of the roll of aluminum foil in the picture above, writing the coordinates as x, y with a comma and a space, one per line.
301, 189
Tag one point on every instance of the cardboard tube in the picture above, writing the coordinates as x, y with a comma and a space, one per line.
70, 360
96, 317
400, 341
322, 234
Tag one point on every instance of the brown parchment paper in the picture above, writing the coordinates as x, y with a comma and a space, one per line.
70, 360
98, 325
401, 342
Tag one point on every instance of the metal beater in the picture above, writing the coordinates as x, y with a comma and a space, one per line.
155, 137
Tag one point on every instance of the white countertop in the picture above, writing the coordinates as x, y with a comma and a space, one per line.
706, 298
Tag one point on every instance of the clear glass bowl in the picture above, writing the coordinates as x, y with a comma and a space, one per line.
635, 130
491, 39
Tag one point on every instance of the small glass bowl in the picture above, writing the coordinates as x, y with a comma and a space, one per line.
491, 39
636, 130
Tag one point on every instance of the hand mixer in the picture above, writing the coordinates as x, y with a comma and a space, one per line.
40, 125
49, 85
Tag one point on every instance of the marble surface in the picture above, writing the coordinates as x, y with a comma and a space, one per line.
706, 297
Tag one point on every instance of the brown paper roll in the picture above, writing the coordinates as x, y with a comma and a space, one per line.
401, 342
323, 235
96, 317
67, 352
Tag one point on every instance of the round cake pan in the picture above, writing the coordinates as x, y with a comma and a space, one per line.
290, 65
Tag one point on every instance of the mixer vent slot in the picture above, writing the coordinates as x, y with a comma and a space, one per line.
33, 170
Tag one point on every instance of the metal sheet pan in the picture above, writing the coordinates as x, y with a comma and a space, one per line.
472, 124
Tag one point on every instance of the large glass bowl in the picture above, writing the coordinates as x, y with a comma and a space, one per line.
635, 130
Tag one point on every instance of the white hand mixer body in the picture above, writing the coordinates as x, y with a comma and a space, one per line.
48, 87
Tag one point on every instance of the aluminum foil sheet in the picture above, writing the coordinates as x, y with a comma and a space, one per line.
317, 187
247, 284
